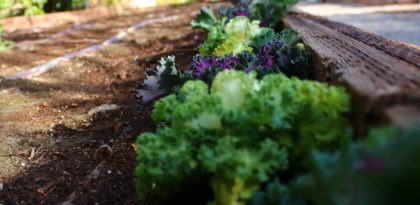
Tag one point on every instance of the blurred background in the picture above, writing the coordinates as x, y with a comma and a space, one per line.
395, 19
34, 7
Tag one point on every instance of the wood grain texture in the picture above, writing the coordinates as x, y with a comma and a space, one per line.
377, 71
404, 51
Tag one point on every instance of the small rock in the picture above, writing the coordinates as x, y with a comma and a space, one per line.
103, 108
31, 49
122, 74
45, 104
104, 152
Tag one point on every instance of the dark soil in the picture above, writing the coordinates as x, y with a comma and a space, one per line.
68, 135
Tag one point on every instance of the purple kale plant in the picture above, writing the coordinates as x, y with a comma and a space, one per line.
200, 63
240, 8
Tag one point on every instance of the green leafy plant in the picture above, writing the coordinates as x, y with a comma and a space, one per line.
164, 80
21, 7
272, 53
267, 12
64, 5
379, 170
206, 19
239, 132
239, 31
224, 38
270, 12
34, 7
4, 44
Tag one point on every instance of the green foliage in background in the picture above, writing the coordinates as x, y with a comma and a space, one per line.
4, 44
112, 2
35, 7
64, 5
21, 7
379, 170
163, 2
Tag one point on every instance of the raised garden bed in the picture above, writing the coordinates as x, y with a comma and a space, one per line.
382, 74
91, 157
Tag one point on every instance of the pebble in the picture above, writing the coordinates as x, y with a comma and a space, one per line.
104, 152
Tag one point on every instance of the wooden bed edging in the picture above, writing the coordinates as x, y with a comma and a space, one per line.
382, 75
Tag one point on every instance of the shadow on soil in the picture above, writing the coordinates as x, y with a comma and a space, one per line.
73, 169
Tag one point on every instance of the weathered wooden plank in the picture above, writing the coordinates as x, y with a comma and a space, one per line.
406, 52
378, 2
377, 71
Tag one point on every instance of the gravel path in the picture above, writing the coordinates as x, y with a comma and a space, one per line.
398, 22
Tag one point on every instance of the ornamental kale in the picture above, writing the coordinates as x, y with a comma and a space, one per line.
376, 171
166, 79
205, 19
239, 31
283, 51
240, 8
232, 38
205, 68
200, 63
238, 132
273, 53
270, 12
215, 38
267, 12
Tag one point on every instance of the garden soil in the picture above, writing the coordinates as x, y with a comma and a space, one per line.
67, 136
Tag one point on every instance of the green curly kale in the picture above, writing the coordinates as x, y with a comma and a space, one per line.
232, 38
378, 170
239, 31
238, 132
270, 12
205, 19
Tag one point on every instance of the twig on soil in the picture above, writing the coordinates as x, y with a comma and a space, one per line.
31, 156
37, 150
39, 158
105, 153
83, 185
109, 84
45, 190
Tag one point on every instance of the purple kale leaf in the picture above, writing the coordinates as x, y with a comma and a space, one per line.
200, 63
240, 8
